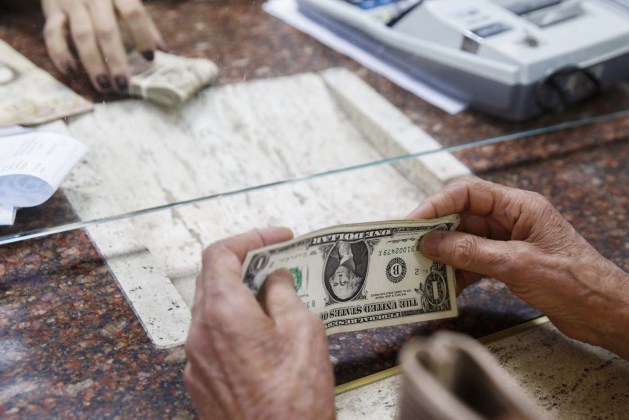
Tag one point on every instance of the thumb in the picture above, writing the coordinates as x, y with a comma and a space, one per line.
468, 252
278, 296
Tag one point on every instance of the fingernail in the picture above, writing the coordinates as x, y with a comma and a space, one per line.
429, 244
68, 67
103, 81
148, 55
122, 84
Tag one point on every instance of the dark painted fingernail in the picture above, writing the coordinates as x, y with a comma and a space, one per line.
148, 55
122, 84
103, 81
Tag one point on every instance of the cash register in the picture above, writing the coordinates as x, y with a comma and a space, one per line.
512, 58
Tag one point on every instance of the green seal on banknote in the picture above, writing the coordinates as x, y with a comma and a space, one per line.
297, 277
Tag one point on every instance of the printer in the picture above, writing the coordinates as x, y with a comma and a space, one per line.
512, 58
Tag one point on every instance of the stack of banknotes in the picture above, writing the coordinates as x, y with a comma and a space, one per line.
169, 80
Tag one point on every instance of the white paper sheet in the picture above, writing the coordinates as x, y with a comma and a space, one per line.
288, 11
32, 166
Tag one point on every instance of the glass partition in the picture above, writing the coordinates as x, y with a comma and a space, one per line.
90, 198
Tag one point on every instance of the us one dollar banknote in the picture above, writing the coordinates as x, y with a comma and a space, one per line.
169, 80
363, 275
29, 95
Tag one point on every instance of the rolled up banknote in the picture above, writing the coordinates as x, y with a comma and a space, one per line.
29, 95
363, 275
169, 80
451, 376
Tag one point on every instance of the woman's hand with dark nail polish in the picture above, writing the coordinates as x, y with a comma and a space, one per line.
93, 29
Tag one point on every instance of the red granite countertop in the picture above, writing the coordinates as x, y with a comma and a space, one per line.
70, 344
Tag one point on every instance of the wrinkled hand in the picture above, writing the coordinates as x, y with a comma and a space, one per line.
519, 238
93, 28
246, 359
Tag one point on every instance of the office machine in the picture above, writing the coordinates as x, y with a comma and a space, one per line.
512, 58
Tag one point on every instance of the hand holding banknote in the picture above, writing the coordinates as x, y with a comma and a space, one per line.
248, 358
518, 237
256, 358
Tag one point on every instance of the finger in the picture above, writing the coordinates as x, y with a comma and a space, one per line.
477, 197
222, 261
471, 253
278, 297
240, 245
453, 198
139, 23
221, 298
110, 43
475, 225
55, 32
157, 36
85, 42
485, 227
464, 194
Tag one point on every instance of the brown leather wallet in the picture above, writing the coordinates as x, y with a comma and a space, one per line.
452, 376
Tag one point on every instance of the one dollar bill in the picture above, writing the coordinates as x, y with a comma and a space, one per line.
364, 275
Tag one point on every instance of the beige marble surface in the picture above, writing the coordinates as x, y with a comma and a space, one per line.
567, 379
